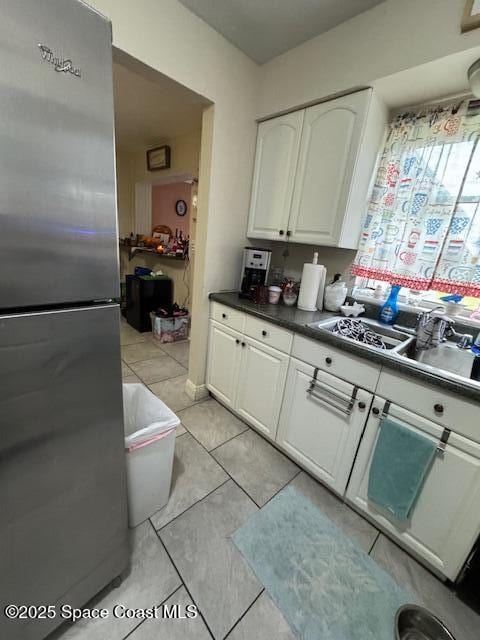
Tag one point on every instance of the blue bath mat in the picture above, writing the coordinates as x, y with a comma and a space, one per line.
327, 587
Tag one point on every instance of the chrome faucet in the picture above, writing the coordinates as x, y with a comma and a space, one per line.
465, 340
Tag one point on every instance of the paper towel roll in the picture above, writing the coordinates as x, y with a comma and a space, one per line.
311, 279
321, 289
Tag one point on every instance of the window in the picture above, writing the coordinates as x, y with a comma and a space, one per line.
422, 228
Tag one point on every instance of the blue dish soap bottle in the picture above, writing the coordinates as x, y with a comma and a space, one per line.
389, 310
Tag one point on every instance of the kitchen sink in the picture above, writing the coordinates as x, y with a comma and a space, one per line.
446, 356
393, 339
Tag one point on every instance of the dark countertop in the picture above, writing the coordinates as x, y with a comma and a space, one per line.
295, 320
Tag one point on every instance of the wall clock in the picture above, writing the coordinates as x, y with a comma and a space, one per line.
181, 207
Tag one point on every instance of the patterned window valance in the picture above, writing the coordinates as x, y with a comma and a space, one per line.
422, 228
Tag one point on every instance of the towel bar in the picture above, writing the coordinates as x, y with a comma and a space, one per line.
345, 405
316, 384
443, 439
345, 410
386, 408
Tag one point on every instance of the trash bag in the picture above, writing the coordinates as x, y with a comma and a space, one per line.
146, 417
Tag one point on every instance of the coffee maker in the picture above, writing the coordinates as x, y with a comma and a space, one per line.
256, 263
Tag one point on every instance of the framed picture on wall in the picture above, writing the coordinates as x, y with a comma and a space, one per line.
158, 158
471, 15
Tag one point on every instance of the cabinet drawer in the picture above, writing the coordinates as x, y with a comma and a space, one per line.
338, 363
226, 315
269, 334
458, 414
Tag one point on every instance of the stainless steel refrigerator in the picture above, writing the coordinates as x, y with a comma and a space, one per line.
63, 525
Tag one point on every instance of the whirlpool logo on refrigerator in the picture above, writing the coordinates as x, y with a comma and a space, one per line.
62, 65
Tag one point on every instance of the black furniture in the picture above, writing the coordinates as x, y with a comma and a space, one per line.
143, 295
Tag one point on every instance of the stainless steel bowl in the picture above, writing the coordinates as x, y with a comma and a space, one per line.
416, 623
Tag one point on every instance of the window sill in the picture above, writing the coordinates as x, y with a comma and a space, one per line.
361, 296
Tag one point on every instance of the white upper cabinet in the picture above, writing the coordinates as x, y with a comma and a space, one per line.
278, 142
330, 142
333, 165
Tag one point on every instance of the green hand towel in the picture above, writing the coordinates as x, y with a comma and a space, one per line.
401, 460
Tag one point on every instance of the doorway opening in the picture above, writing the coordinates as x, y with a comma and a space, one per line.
157, 192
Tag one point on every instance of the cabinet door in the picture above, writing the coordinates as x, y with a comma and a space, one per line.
445, 521
263, 371
278, 142
330, 142
324, 439
224, 351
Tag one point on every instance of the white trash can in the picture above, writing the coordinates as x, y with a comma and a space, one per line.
149, 447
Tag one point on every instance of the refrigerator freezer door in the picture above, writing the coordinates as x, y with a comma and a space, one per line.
63, 522
58, 240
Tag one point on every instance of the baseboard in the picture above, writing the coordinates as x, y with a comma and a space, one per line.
196, 392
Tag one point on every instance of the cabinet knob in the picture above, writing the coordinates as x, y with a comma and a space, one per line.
328, 360
243, 344
237, 340
224, 315
281, 232
264, 333
438, 408
361, 405
289, 233
376, 410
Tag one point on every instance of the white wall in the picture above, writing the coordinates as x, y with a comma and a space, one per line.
335, 260
393, 36
125, 193
410, 50
169, 38
185, 158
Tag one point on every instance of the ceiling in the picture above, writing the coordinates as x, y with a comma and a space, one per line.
264, 29
149, 107
429, 82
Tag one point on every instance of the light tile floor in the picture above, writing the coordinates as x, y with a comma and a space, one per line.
224, 472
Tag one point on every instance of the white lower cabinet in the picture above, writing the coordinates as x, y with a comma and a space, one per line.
261, 384
318, 419
224, 354
316, 428
445, 521
247, 376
